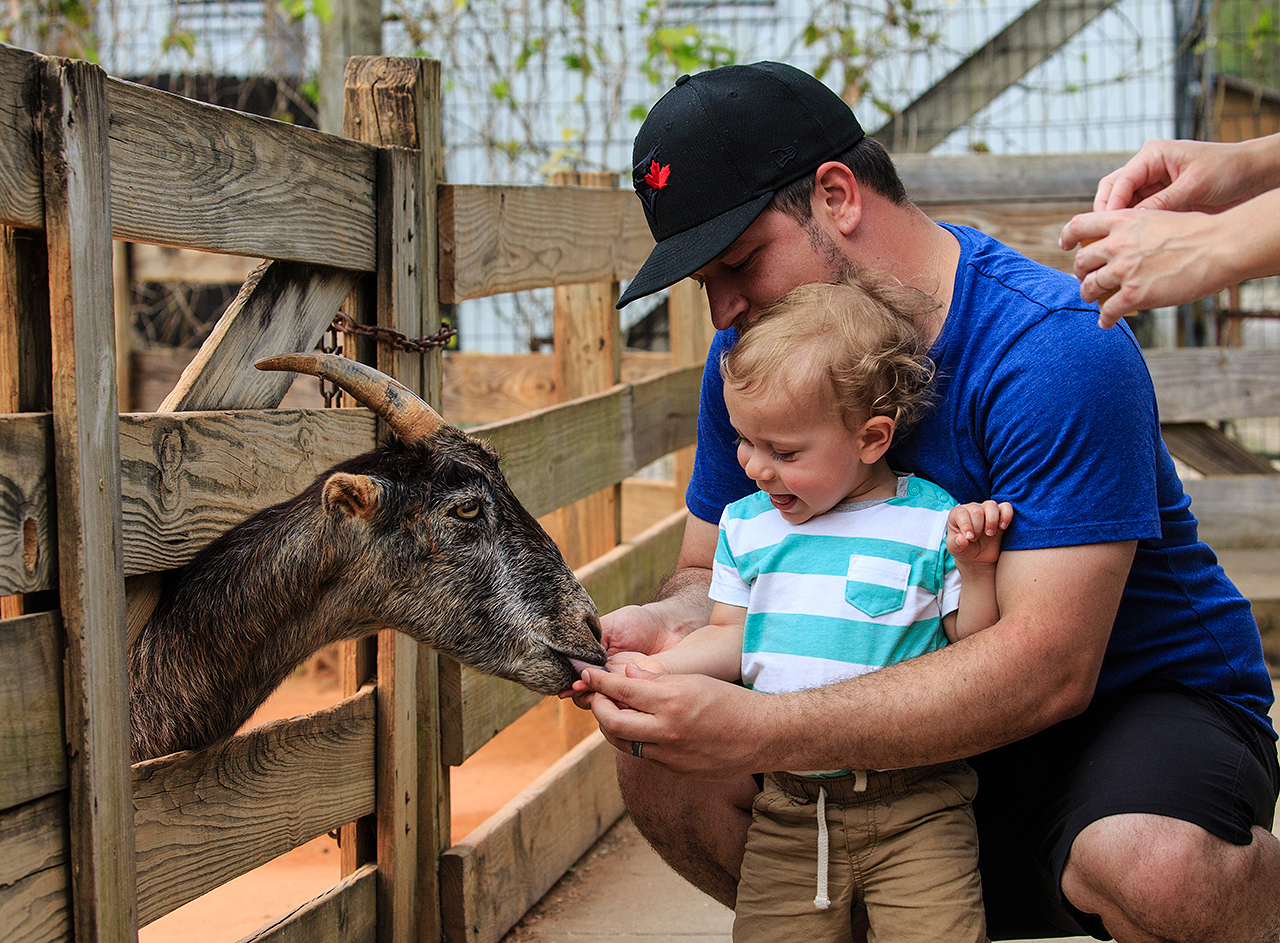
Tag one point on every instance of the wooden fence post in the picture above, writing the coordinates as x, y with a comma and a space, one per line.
395, 103
87, 460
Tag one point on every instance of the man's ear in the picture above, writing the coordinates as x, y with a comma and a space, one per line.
836, 196
874, 438
352, 495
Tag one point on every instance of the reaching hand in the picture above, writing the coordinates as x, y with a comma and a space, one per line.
1178, 175
974, 531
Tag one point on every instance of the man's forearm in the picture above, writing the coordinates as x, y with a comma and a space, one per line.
683, 601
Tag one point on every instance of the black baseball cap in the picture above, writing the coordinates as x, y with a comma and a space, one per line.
714, 150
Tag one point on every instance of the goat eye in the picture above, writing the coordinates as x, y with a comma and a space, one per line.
468, 511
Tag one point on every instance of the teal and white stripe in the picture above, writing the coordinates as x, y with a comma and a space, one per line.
858, 588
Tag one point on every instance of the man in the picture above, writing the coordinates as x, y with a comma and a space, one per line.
1116, 713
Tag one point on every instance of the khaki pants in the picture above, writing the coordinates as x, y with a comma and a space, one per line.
903, 847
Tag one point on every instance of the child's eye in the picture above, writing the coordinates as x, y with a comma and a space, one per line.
784, 456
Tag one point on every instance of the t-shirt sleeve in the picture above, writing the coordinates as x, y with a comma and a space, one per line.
1070, 430
727, 584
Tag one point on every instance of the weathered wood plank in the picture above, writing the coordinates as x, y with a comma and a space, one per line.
496, 239
1210, 452
1212, 384
282, 307
36, 909
204, 818
21, 187
346, 913
190, 174
477, 706
664, 413
1000, 178
563, 453
34, 838
33, 760
1237, 511
187, 477
35, 879
510, 861
87, 475
27, 553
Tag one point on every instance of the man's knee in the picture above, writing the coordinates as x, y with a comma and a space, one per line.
1172, 878
698, 828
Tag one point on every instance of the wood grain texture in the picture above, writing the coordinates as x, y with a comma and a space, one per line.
1237, 511
187, 477
281, 308
1001, 178
496, 239
509, 862
1210, 452
1211, 384
21, 186
1031, 228
204, 818
33, 759
35, 879
87, 476
189, 174
346, 913
28, 556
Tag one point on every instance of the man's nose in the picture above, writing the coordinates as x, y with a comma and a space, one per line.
726, 304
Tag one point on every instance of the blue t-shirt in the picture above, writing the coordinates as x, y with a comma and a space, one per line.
1036, 405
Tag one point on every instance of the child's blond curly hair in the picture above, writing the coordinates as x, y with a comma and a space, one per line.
857, 344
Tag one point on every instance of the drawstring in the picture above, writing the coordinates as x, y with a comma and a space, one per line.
822, 901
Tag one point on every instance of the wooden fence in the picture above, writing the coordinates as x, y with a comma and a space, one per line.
96, 503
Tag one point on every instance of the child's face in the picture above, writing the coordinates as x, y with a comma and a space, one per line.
799, 450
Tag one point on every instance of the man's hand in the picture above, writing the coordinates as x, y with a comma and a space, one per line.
695, 725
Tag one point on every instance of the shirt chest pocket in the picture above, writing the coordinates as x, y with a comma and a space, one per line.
876, 586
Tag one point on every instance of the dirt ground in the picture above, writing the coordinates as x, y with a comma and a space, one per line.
481, 786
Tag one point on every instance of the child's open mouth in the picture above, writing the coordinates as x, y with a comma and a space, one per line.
783, 502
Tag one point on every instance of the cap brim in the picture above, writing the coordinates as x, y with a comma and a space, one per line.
681, 255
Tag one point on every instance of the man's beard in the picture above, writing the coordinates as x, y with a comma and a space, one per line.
838, 266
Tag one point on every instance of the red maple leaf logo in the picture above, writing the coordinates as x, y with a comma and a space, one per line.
657, 175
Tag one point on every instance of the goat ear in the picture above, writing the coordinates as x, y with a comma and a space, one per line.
353, 495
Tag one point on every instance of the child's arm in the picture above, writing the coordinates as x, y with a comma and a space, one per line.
974, 532
714, 650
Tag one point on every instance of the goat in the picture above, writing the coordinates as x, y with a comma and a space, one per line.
422, 535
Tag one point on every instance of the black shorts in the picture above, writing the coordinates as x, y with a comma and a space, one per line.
1164, 749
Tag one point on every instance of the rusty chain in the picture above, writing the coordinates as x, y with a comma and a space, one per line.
390, 337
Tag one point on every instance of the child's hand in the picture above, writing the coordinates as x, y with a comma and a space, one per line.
974, 531
618, 662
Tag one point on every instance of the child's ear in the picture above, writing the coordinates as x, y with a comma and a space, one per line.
874, 439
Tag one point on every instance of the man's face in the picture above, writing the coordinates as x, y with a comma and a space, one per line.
774, 255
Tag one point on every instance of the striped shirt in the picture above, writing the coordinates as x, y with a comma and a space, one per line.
860, 587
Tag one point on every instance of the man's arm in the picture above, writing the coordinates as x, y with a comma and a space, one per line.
1036, 666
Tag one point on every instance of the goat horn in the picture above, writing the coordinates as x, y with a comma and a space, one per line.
407, 415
